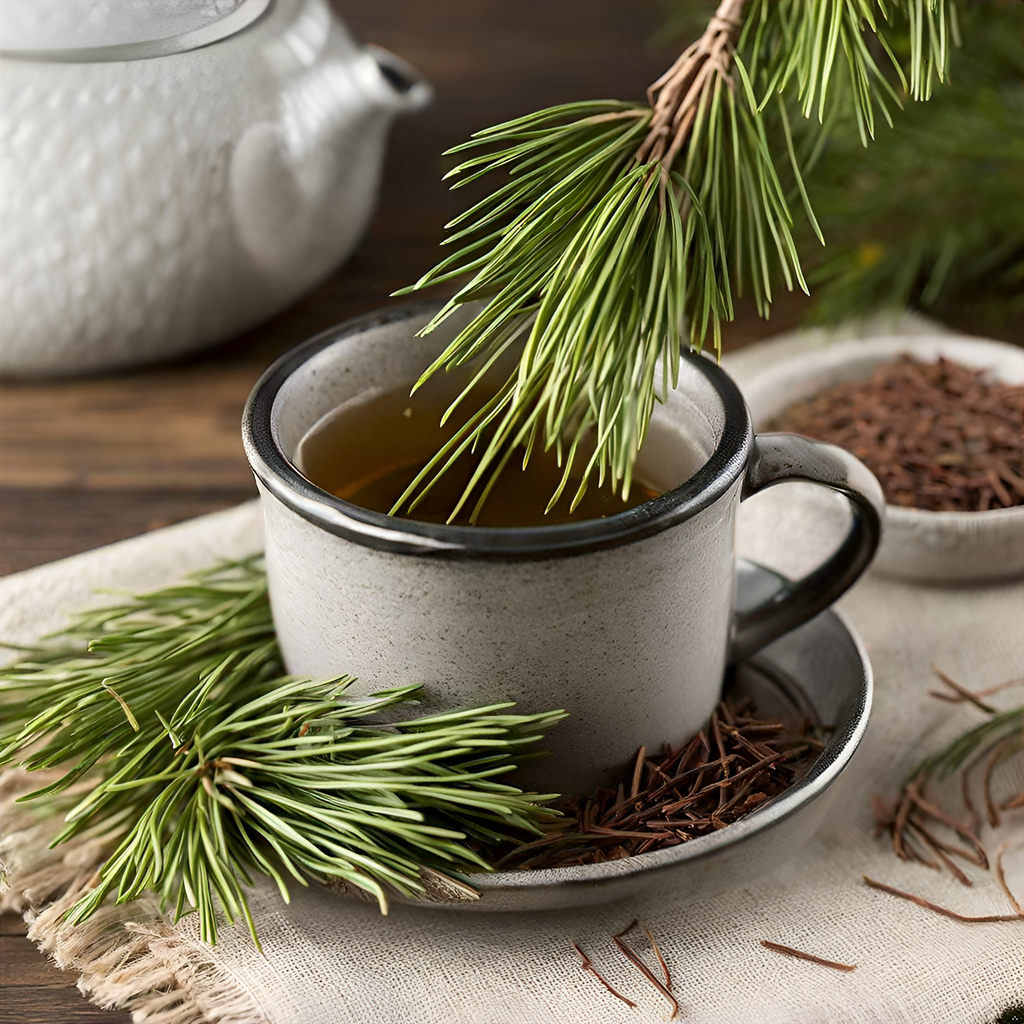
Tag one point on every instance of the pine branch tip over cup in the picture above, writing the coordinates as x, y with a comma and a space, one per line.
618, 229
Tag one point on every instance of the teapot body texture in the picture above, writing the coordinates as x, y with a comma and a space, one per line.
156, 205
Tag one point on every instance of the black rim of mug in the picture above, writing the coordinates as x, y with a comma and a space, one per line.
281, 478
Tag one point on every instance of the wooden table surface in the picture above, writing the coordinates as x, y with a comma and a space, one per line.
90, 461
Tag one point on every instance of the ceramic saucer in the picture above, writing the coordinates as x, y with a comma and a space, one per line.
820, 671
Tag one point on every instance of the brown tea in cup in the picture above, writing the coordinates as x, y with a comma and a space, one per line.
367, 451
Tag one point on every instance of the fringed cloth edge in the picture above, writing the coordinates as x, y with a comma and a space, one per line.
128, 957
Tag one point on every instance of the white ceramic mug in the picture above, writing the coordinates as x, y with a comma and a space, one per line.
627, 622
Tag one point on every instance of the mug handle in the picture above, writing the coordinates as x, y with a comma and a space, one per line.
776, 458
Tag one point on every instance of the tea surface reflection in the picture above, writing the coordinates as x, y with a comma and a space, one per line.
367, 451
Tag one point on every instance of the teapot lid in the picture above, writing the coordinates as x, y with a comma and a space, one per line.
88, 31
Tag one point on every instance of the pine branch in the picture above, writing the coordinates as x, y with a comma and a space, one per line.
616, 225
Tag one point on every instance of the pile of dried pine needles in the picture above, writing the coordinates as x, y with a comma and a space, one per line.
738, 763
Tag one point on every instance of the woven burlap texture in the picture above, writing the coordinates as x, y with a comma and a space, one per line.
331, 959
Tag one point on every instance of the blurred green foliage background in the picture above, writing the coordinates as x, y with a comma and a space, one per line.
931, 214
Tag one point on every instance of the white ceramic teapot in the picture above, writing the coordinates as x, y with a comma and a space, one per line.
175, 171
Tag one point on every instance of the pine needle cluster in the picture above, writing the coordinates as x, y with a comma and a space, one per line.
202, 764
617, 229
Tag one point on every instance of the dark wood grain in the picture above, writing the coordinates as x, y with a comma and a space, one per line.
36, 992
90, 461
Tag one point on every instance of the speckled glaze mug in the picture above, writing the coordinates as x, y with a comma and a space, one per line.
627, 622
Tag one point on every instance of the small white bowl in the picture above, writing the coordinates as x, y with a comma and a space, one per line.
917, 545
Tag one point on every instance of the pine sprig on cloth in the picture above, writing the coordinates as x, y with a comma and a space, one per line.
913, 816
202, 763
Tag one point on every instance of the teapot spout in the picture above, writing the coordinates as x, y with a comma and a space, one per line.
398, 86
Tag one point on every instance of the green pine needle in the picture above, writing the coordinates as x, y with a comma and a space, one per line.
931, 216
205, 764
1002, 729
615, 229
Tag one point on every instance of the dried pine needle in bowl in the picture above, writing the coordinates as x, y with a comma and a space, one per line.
944, 543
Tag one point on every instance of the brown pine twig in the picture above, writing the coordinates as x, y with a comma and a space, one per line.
725, 784
702, 768
939, 814
1000, 686
1014, 802
799, 954
991, 806
900, 825
962, 692
637, 773
997, 867
661, 960
913, 854
600, 830
587, 965
973, 822
935, 846
676, 96
740, 793
944, 911
644, 969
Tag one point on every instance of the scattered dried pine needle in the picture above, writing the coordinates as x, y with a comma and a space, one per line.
935, 434
997, 868
799, 954
661, 960
944, 911
924, 832
738, 763
588, 965
666, 988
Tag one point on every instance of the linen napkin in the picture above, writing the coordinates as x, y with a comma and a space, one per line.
328, 958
